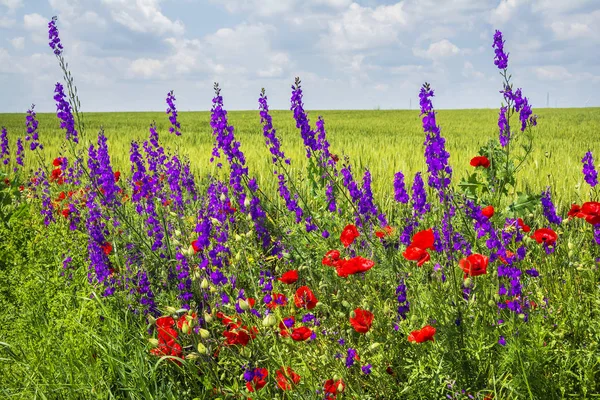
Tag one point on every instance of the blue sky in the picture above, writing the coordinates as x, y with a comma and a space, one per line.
126, 55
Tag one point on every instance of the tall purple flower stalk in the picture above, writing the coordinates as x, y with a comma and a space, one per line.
400, 194
503, 127
4, 148
589, 170
54, 43
64, 113
403, 303
19, 155
32, 133
302, 123
440, 173
101, 172
501, 58
175, 125
549, 209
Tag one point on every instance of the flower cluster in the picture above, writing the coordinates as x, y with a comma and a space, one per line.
589, 169
64, 113
4, 149
53, 37
175, 125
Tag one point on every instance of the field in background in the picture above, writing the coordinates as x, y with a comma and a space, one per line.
383, 141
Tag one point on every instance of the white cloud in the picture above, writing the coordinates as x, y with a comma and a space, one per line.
360, 28
572, 30
552, 73
12, 4
18, 42
38, 27
470, 72
143, 16
146, 68
504, 12
6, 23
438, 50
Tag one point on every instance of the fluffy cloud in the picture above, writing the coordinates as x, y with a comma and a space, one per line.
12, 5
143, 16
438, 50
18, 42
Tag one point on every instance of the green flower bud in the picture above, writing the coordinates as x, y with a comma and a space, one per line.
269, 320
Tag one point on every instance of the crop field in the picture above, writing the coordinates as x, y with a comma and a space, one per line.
365, 255
382, 141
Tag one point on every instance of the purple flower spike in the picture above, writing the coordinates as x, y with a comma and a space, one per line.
501, 58
53, 37
589, 170
175, 125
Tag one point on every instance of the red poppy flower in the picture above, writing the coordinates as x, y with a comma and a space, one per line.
591, 211
474, 265
362, 320
422, 335
305, 298
545, 235
285, 377
259, 380
301, 333
167, 336
331, 258
509, 255
526, 228
354, 265
488, 212
65, 212
56, 176
348, 235
480, 161
289, 277
7, 181
332, 388
418, 254
57, 162
117, 176
279, 300
107, 248
423, 239
237, 334
575, 211
387, 231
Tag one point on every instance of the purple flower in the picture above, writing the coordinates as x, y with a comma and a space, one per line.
20, 154
403, 304
440, 173
302, 123
4, 149
350, 357
501, 58
32, 134
419, 196
502, 341
400, 194
53, 37
503, 126
64, 113
549, 210
589, 170
366, 369
175, 125
269, 131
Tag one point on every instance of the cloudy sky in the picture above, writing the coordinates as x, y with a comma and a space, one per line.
127, 54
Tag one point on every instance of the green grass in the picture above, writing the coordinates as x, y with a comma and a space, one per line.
383, 141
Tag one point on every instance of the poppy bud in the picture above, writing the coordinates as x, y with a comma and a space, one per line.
153, 342
246, 202
208, 318
215, 221
249, 217
269, 320
202, 349
212, 289
171, 310
491, 303
340, 387
151, 320
374, 346
185, 328
346, 304
204, 334
467, 281
238, 256
222, 197
204, 284
570, 245
243, 305
237, 237
172, 214
177, 232
192, 356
